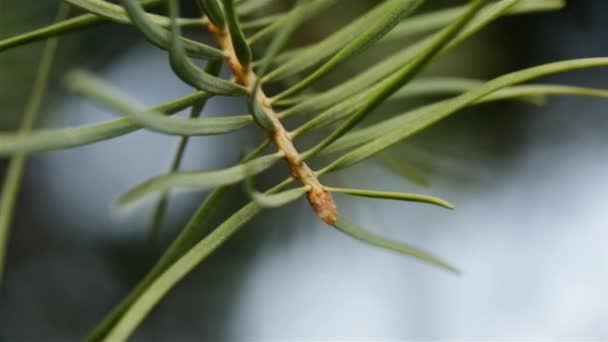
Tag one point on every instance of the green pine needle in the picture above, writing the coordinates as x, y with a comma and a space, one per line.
375, 240
399, 196
10, 189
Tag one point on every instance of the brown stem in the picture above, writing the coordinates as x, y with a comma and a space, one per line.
319, 198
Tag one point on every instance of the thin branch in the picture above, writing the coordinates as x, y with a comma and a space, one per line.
319, 199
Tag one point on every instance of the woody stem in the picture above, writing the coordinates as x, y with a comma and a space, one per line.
318, 197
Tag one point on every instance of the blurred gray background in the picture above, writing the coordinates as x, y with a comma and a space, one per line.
529, 229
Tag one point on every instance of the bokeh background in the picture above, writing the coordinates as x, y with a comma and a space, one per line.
529, 230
